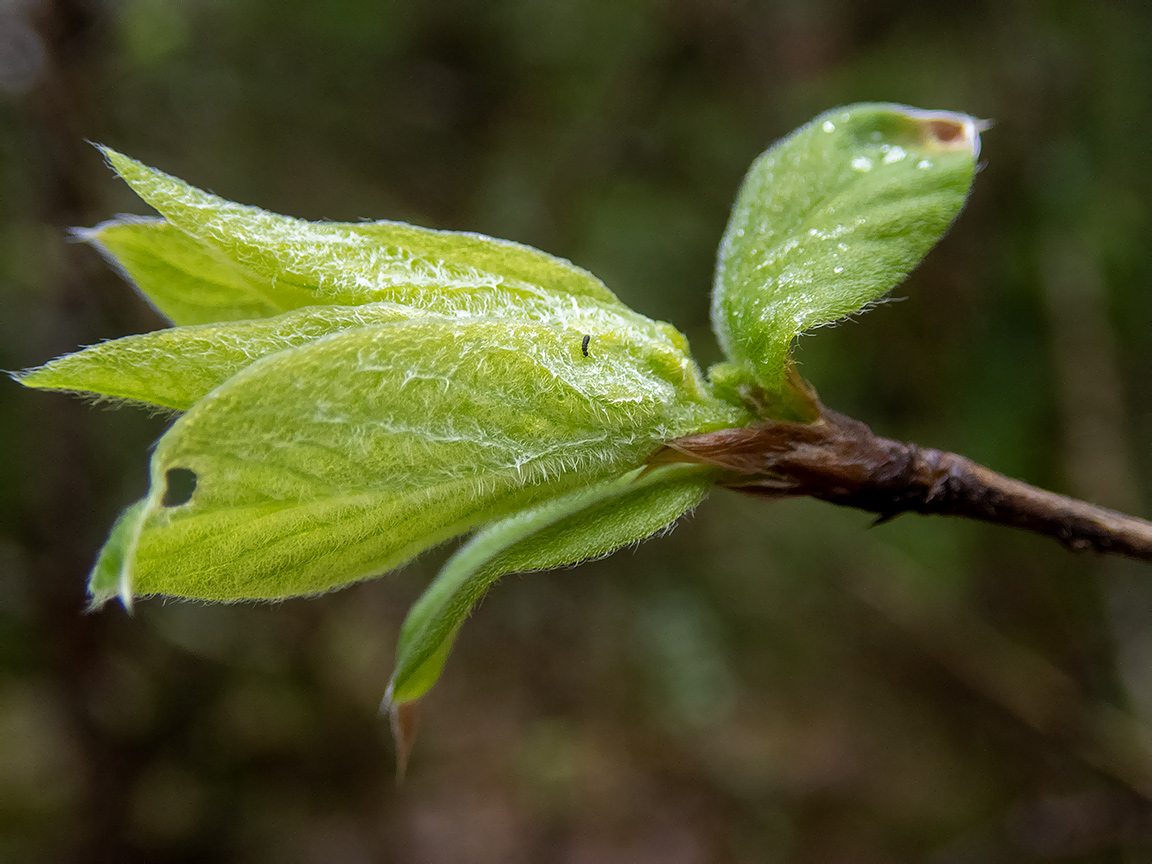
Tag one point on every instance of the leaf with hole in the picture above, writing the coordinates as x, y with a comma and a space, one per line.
344, 457
355, 393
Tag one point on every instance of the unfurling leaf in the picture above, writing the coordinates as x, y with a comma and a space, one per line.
829, 220
588, 523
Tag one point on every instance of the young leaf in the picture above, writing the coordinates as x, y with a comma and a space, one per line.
588, 523
362, 262
188, 281
174, 368
220, 261
830, 219
343, 457
105, 579
177, 367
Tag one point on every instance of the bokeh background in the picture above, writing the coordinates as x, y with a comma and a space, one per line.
772, 682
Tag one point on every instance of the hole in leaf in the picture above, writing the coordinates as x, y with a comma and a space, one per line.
179, 484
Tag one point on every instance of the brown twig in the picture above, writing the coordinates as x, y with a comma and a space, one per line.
841, 460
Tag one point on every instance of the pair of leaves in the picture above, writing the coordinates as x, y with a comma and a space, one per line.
356, 393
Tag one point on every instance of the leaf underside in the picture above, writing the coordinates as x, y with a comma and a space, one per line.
588, 523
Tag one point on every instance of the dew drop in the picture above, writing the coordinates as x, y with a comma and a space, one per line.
861, 163
924, 163
829, 126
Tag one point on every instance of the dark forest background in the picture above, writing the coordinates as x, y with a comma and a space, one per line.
772, 682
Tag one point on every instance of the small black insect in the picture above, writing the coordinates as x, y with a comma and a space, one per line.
584, 344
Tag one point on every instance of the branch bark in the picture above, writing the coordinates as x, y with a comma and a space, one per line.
841, 460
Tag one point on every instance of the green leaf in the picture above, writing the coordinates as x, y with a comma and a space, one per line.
588, 523
174, 368
346, 456
104, 582
187, 281
348, 263
177, 367
193, 279
827, 221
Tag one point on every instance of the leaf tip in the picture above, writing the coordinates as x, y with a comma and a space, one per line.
114, 158
91, 236
20, 376
37, 377
135, 173
111, 575
125, 594
947, 131
404, 718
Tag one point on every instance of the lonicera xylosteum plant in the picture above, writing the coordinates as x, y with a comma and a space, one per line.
350, 395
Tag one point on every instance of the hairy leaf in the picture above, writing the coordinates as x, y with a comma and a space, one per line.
344, 457
351, 263
588, 523
177, 367
830, 219
173, 368
189, 282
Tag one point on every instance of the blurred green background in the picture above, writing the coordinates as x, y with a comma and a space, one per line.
772, 682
